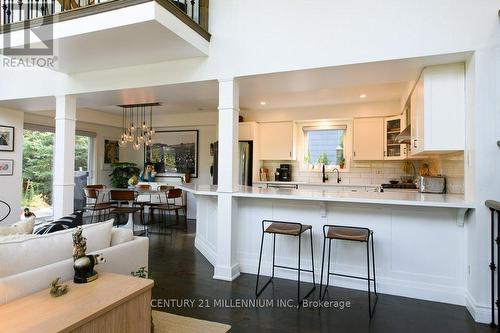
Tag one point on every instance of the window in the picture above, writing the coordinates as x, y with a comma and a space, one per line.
38, 155
324, 145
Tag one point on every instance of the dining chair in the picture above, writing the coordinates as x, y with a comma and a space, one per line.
143, 198
95, 201
174, 202
161, 199
133, 207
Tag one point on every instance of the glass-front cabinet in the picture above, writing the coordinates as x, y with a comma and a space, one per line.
392, 149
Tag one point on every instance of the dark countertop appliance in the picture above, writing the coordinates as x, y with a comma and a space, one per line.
285, 173
399, 187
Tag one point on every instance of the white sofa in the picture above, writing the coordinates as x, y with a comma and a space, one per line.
29, 263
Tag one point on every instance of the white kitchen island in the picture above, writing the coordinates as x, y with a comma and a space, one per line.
420, 241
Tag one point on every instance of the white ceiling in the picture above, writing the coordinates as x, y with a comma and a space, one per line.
144, 42
380, 81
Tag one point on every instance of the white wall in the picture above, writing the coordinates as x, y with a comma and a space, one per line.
482, 158
254, 37
11, 186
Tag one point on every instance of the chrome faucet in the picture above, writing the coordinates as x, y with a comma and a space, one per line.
338, 175
325, 176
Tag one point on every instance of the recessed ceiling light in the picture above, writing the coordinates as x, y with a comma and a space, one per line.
362, 96
263, 103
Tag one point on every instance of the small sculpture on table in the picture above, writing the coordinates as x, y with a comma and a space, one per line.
84, 264
57, 289
148, 174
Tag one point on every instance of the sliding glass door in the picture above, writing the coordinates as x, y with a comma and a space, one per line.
84, 162
38, 157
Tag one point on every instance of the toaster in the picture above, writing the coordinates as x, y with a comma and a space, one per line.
432, 184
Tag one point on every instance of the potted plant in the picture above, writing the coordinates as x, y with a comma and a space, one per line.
122, 172
342, 163
323, 159
307, 158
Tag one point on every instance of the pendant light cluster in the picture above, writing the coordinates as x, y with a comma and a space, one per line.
137, 125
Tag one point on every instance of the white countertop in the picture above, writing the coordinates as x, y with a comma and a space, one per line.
381, 198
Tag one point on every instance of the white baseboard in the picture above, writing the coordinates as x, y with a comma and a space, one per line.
412, 289
480, 312
205, 249
225, 273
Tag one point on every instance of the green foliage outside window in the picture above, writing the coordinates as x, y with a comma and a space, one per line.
38, 156
323, 159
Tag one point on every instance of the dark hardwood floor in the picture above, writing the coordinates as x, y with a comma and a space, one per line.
183, 275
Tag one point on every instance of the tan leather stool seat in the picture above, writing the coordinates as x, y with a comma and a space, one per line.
355, 234
291, 229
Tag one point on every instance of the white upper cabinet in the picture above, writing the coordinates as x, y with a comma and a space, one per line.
277, 141
368, 139
392, 127
247, 131
438, 110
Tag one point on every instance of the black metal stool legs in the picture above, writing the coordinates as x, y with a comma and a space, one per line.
258, 291
299, 270
369, 278
370, 309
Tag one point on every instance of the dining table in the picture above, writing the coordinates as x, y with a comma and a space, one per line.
103, 196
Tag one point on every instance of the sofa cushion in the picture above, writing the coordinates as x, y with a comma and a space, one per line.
121, 235
21, 227
39, 250
67, 222
13, 237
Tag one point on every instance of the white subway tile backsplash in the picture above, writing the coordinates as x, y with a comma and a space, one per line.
380, 172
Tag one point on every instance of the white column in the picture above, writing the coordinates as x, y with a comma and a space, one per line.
227, 266
64, 156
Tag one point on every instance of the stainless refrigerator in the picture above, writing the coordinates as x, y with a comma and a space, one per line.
245, 162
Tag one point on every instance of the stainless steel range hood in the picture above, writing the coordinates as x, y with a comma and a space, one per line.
404, 136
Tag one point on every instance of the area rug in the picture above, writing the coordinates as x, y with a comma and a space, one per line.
166, 322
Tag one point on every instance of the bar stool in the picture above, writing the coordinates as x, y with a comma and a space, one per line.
287, 229
353, 234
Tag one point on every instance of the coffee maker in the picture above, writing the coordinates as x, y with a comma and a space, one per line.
285, 171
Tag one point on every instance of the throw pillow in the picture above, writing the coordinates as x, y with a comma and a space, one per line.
67, 222
121, 235
21, 227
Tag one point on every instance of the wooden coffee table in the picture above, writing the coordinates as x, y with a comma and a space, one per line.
112, 303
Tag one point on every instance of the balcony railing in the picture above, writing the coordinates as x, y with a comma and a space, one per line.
15, 11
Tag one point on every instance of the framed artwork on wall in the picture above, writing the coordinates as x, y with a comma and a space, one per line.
174, 153
111, 153
6, 167
6, 138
